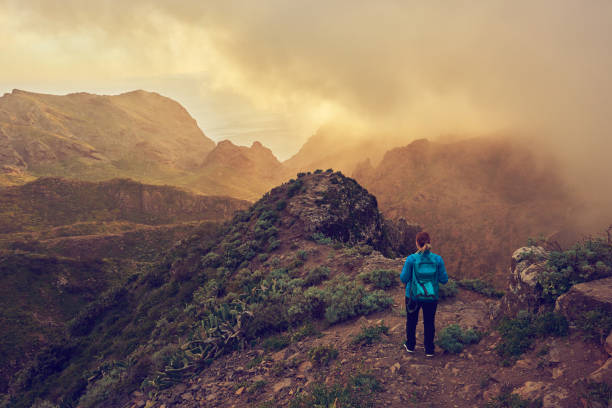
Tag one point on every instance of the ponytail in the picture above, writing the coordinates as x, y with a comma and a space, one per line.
423, 242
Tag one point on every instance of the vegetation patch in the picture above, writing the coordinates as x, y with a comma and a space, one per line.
370, 334
449, 290
322, 355
585, 261
506, 399
453, 338
595, 325
380, 278
357, 393
479, 286
518, 334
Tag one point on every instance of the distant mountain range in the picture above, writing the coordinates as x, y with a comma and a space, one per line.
479, 197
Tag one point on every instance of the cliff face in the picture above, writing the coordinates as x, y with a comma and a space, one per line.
136, 134
479, 198
49, 202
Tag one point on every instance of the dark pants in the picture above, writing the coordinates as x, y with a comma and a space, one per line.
429, 324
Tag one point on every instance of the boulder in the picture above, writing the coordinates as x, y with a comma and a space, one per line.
603, 373
523, 294
608, 344
584, 297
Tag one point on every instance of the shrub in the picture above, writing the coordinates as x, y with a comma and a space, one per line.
358, 393
585, 261
316, 276
453, 338
481, 287
305, 331
301, 255
321, 238
595, 324
211, 260
294, 188
518, 334
346, 299
276, 343
508, 400
281, 205
322, 355
370, 334
380, 278
449, 290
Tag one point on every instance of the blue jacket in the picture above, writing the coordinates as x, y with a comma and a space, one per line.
406, 275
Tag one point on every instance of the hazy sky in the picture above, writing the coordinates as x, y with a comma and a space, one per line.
275, 71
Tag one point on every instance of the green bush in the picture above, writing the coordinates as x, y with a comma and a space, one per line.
595, 325
453, 338
508, 400
481, 287
345, 299
369, 334
449, 290
518, 334
585, 261
276, 343
316, 276
358, 393
321, 238
322, 355
380, 278
305, 331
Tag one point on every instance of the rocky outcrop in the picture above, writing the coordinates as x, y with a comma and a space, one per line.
587, 296
337, 207
523, 293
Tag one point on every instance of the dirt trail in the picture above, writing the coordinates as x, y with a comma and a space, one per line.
469, 379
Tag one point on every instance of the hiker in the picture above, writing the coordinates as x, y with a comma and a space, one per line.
422, 273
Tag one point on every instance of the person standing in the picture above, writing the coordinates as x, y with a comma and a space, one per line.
422, 273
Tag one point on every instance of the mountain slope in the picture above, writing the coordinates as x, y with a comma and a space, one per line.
330, 147
216, 292
479, 198
138, 134
237, 171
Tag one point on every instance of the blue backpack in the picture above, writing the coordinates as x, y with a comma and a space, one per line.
424, 285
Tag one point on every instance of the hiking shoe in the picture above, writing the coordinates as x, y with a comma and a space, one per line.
407, 349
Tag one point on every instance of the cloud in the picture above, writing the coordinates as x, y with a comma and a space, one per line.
414, 69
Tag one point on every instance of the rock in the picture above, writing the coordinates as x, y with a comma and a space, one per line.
279, 355
608, 344
305, 366
531, 389
555, 355
525, 363
187, 396
527, 262
584, 297
552, 399
139, 404
281, 384
603, 373
239, 391
492, 392
395, 368
557, 372
211, 397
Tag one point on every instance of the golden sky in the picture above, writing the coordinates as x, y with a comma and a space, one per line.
276, 70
